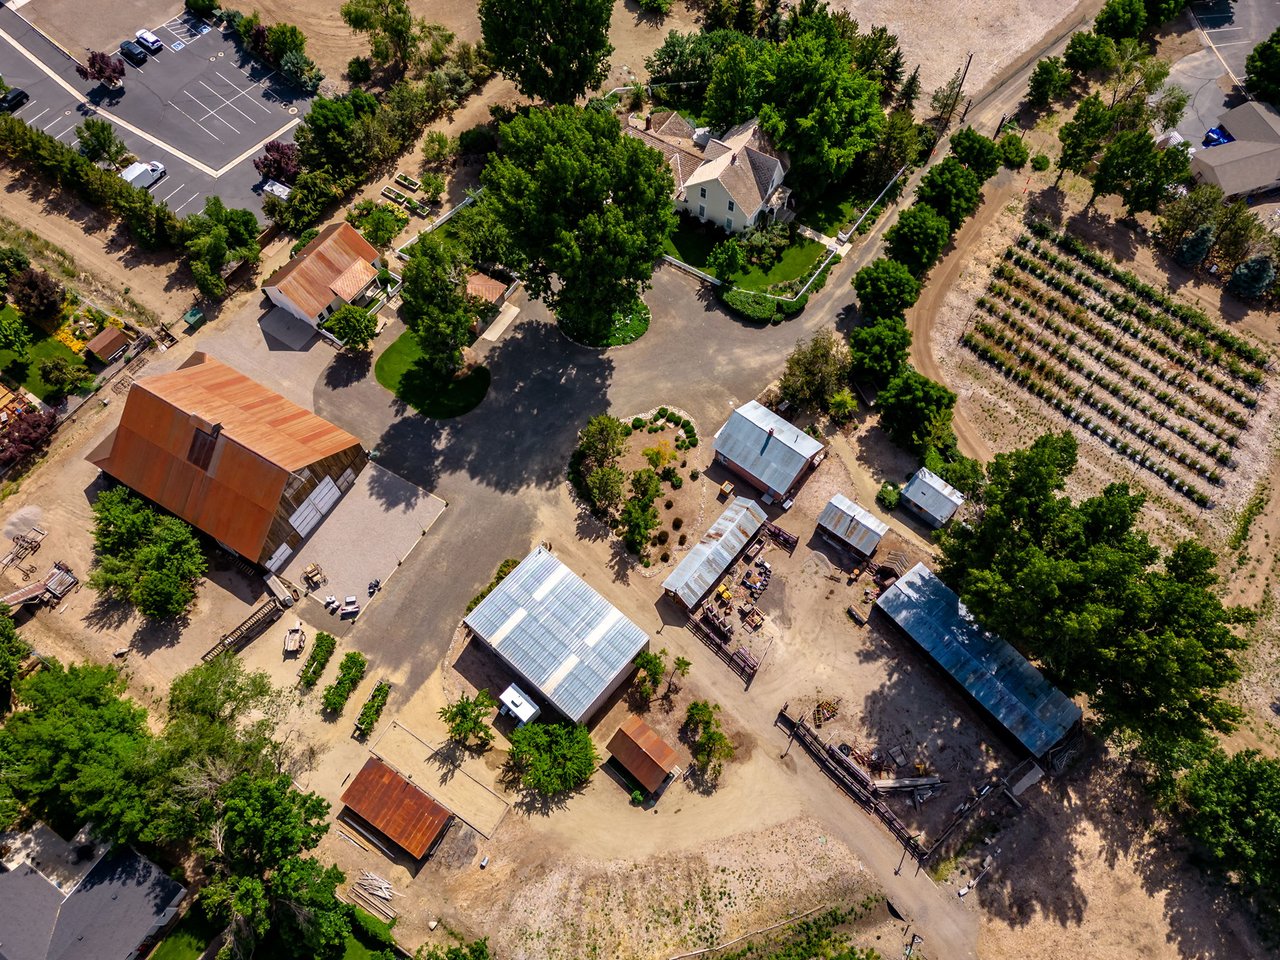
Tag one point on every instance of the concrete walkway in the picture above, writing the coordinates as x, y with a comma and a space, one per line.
822, 238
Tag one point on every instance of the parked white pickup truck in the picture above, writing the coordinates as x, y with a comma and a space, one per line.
143, 175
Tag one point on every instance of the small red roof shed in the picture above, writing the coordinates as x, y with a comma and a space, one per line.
644, 754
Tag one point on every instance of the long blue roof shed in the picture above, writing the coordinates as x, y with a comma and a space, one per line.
997, 676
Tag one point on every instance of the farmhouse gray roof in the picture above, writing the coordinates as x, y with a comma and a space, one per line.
557, 633
933, 495
105, 916
999, 678
1252, 161
764, 445
703, 566
852, 524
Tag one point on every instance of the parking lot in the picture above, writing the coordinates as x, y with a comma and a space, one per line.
1234, 29
198, 107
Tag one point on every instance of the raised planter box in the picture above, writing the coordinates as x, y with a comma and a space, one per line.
408, 182
394, 195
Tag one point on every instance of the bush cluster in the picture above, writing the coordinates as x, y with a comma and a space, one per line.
321, 650
350, 673
373, 708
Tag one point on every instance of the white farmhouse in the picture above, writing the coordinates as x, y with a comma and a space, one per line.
732, 181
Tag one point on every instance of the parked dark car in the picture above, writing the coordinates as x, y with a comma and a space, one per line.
133, 53
13, 98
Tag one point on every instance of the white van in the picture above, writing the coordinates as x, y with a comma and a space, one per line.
143, 175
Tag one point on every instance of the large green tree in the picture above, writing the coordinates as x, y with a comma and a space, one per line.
1138, 171
587, 210
13, 651
1083, 135
816, 370
434, 303
395, 35
1119, 19
951, 189
816, 108
918, 238
554, 50
980, 154
730, 98
1080, 588
552, 758
1262, 69
916, 411
885, 288
1231, 807
73, 747
877, 351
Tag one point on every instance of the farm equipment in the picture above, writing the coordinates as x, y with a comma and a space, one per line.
295, 639
825, 710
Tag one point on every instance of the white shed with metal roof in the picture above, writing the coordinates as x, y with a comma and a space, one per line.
766, 450
931, 498
705, 564
558, 634
853, 526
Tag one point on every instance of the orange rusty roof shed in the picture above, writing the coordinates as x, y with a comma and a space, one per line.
644, 754
258, 440
327, 267
397, 809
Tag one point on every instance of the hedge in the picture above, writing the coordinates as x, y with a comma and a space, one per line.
152, 224
350, 672
373, 708
321, 651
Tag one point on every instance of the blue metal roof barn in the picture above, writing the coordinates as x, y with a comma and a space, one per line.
768, 449
557, 633
1014, 692
711, 556
932, 497
852, 525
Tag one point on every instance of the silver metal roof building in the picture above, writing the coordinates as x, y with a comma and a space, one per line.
999, 678
931, 497
719, 547
852, 525
767, 450
564, 639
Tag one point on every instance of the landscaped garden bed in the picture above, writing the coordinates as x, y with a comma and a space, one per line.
1154, 379
350, 673
643, 476
372, 709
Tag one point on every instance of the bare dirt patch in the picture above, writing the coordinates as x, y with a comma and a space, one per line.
939, 40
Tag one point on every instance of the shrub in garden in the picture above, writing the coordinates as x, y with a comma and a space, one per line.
694, 474
1013, 151
360, 69
663, 537
1040, 163
350, 673
373, 708
1195, 246
888, 495
682, 539
379, 223
321, 650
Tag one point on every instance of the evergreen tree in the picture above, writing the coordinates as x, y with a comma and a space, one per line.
1253, 278
909, 92
1195, 246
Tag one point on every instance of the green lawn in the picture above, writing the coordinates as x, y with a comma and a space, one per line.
188, 939
26, 370
692, 242
798, 260
402, 370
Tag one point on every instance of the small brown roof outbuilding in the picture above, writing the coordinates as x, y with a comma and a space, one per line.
107, 343
397, 809
644, 754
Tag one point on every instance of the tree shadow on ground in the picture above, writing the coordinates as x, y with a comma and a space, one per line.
107, 613
153, 634
543, 389
1098, 808
348, 369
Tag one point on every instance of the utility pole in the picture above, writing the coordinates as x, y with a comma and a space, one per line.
955, 100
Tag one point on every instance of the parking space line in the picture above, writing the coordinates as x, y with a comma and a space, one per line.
228, 103
243, 92
36, 117
212, 113
178, 209
198, 124
1233, 43
173, 191
51, 123
59, 136
1222, 29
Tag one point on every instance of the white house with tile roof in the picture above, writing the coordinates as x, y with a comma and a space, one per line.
732, 181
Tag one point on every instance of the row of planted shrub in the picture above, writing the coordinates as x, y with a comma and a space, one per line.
1005, 365
1105, 350
1063, 355
1127, 326
1188, 314
1177, 332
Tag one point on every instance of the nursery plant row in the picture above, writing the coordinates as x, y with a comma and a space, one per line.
1058, 271
1068, 408
1124, 324
1181, 311
1105, 351
1046, 367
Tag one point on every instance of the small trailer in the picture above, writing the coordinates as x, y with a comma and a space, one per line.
295, 639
